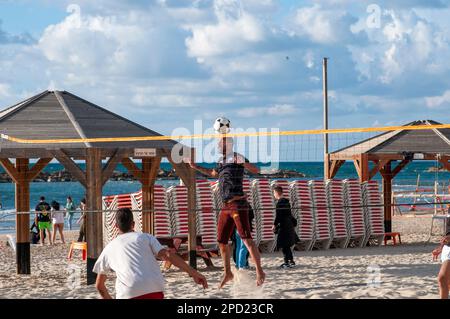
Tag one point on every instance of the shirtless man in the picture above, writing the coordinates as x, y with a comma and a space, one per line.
230, 172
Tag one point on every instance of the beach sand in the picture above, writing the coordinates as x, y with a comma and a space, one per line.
403, 271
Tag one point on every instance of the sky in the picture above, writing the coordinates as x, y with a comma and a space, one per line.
167, 63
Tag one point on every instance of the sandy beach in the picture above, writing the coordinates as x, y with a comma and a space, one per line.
404, 271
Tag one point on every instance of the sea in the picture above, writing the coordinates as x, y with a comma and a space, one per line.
405, 180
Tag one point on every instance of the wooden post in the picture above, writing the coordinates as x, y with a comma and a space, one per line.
94, 227
192, 219
187, 175
150, 168
326, 163
364, 168
327, 167
386, 173
22, 199
22, 175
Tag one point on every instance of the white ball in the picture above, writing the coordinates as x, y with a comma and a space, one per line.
222, 125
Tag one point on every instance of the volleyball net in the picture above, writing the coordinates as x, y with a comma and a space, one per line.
299, 154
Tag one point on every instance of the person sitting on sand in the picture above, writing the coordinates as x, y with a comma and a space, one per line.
285, 223
43, 219
444, 272
234, 214
58, 221
133, 257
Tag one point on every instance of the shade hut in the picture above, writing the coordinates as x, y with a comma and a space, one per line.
389, 153
55, 115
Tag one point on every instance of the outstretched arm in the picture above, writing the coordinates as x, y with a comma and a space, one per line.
252, 168
166, 255
211, 172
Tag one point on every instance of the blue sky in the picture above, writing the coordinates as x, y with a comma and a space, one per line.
166, 63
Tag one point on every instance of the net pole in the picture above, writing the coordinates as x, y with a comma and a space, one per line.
326, 161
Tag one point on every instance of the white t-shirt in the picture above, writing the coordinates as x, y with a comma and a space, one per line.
132, 257
57, 218
445, 254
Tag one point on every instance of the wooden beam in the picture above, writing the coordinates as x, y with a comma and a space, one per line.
378, 166
335, 166
327, 167
386, 174
10, 169
150, 168
132, 168
71, 166
192, 217
188, 176
111, 165
400, 166
445, 163
94, 217
357, 167
364, 167
22, 203
37, 168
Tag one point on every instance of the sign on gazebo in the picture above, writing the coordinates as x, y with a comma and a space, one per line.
144, 152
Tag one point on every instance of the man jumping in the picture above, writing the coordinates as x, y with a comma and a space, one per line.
230, 171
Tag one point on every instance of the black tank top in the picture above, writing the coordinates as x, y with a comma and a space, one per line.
231, 174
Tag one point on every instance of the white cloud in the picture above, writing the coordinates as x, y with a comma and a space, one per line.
276, 110
5, 90
234, 31
325, 26
438, 101
405, 44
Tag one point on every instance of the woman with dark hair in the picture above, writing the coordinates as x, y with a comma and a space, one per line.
70, 209
57, 220
82, 221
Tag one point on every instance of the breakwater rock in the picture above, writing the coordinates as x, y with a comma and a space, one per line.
65, 176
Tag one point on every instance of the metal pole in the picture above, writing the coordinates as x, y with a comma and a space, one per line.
325, 117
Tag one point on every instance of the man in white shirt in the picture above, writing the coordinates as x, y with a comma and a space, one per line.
133, 257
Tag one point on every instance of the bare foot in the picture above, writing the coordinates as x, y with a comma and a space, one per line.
260, 277
226, 278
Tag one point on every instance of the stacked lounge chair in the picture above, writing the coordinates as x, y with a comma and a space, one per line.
336, 203
374, 214
355, 212
302, 205
264, 213
322, 222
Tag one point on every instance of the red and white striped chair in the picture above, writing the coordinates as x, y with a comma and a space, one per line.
322, 223
110, 205
177, 200
264, 213
302, 205
374, 213
336, 204
206, 216
247, 187
355, 212
162, 224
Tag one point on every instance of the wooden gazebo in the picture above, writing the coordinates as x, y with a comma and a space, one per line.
56, 115
397, 148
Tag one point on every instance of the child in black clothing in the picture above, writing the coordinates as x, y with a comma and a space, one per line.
284, 226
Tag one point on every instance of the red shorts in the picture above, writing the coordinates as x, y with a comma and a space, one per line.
153, 295
234, 214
